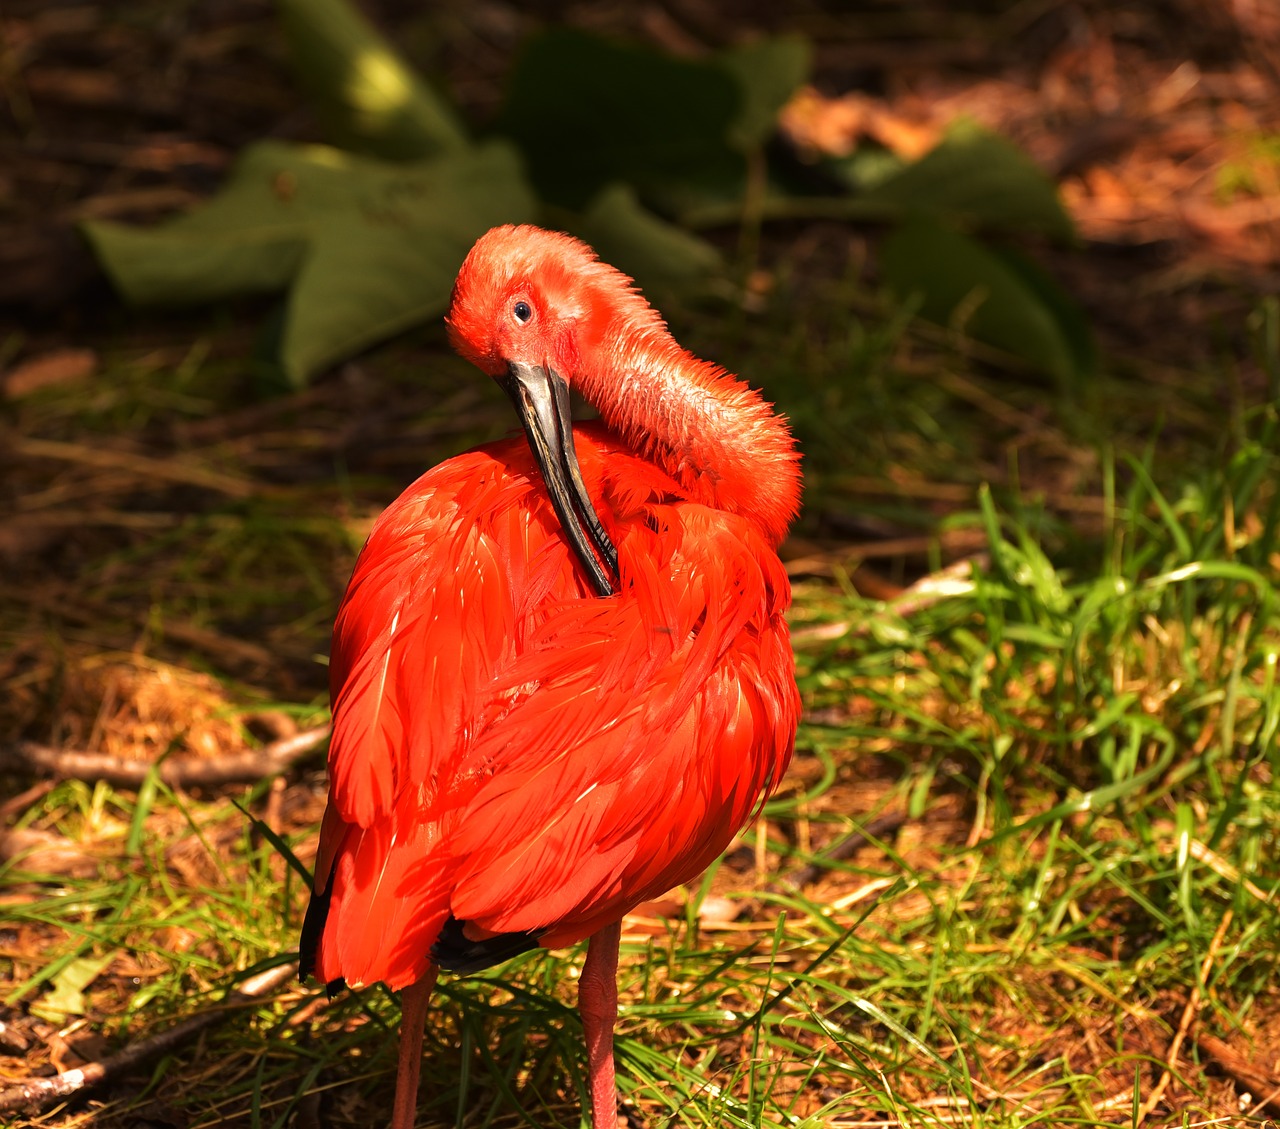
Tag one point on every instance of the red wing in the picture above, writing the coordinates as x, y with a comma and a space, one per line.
454, 575
633, 737
508, 748
439, 601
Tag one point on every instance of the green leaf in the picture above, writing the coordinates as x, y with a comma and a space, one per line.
587, 112
66, 994
370, 99
658, 255
865, 169
767, 72
961, 283
980, 179
368, 247
249, 239
1072, 321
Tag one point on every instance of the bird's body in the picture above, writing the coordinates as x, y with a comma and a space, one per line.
518, 759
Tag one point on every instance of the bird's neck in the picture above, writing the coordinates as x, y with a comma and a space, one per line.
712, 433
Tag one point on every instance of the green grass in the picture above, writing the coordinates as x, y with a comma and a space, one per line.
1081, 741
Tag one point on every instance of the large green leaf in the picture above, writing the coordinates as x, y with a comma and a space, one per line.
767, 73
981, 179
658, 255
369, 98
959, 281
1070, 317
369, 247
588, 113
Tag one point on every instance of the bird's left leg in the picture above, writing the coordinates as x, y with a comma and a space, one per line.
413, 1017
598, 1003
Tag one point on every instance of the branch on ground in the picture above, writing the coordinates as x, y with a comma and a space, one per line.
1262, 1084
189, 772
38, 1093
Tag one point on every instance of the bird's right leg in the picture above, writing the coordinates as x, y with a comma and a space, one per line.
413, 1018
598, 1003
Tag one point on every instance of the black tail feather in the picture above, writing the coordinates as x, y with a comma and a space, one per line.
456, 952
312, 928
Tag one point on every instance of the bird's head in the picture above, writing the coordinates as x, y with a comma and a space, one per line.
528, 296
525, 305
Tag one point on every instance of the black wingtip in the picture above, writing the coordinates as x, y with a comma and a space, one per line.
454, 951
312, 927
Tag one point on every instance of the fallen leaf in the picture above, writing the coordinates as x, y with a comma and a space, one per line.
366, 247
660, 907
834, 127
48, 370
77, 1051
66, 995
714, 908
13, 1041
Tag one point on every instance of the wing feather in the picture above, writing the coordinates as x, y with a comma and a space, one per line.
644, 743
436, 607
429, 616
510, 750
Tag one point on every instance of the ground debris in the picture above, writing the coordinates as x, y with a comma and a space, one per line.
39, 1093
1260, 1083
48, 370
200, 771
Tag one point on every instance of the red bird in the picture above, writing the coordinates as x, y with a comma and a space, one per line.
561, 677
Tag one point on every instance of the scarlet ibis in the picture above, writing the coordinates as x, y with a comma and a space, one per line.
561, 677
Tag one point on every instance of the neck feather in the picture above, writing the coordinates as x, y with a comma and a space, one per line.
712, 433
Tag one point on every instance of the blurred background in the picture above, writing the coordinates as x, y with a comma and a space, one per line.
1012, 269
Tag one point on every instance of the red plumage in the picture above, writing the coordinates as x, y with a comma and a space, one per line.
510, 749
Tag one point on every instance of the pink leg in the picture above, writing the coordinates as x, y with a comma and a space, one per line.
413, 1017
598, 1003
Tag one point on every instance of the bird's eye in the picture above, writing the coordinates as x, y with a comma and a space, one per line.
522, 311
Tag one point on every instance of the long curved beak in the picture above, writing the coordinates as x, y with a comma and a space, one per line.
541, 397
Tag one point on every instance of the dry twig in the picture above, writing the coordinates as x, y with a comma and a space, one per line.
183, 471
946, 583
190, 772
37, 1093
1189, 1013
1258, 1081
848, 557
